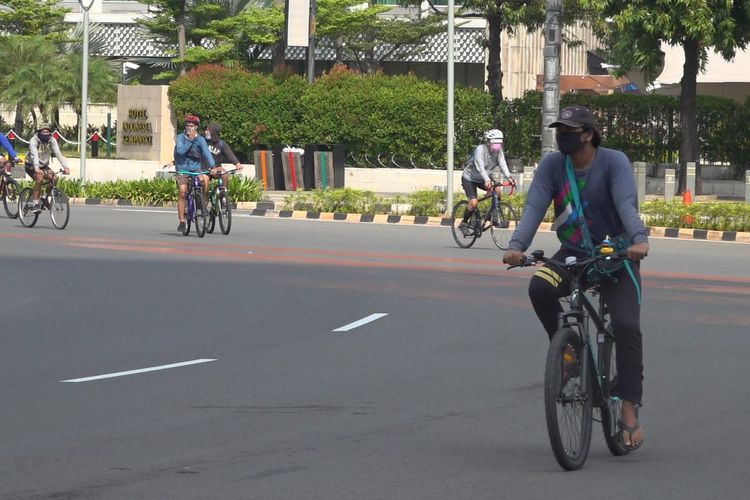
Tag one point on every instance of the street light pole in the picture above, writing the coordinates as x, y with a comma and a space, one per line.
451, 85
85, 7
551, 100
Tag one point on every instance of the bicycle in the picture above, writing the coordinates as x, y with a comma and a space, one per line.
9, 190
221, 206
53, 199
500, 219
196, 203
579, 376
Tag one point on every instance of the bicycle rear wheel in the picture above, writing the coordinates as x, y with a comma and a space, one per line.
468, 236
25, 213
612, 407
200, 216
188, 211
568, 400
59, 209
11, 191
506, 219
225, 212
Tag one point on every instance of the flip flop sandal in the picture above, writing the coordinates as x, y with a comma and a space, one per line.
630, 430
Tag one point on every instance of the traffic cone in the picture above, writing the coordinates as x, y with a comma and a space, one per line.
687, 200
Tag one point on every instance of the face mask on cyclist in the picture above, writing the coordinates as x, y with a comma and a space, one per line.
570, 142
207, 134
496, 146
44, 136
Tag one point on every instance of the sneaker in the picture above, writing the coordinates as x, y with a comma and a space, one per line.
36, 208
181, 227
466, 229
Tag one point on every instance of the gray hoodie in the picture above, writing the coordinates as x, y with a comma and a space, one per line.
478, 166
40, 153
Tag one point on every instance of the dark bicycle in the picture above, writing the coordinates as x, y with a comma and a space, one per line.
196, 207
9, 189
500, 219
581, 371
220, 203
53, 199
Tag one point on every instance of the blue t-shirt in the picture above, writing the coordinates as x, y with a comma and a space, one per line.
608, 195
190, 153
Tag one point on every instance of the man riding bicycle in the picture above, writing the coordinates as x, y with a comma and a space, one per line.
486, 162
221, 153
190, 152
42, 147
594, 195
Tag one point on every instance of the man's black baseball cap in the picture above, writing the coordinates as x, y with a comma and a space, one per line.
575, 116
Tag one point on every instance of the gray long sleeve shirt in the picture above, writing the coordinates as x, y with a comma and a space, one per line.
482, 162
40, 153
608, 195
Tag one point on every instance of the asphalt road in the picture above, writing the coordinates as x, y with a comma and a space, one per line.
440, 397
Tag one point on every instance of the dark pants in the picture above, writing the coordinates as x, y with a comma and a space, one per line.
547, 286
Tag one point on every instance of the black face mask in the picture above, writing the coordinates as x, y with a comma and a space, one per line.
44, 137
569, 142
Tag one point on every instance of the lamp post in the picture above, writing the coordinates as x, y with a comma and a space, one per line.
551, 101
85, 7
450, 87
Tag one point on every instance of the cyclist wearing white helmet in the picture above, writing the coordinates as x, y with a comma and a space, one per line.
483, 168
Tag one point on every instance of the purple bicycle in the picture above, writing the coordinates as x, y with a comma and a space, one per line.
197, 208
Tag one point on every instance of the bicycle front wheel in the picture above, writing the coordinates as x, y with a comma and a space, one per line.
59, 209
25, 211
225, 212
568, 400
464, 231
200, 217
11, 190
504, 222
611, 409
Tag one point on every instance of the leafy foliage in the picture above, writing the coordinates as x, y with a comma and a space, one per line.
151, 191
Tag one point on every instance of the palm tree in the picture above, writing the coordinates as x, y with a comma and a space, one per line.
32, 86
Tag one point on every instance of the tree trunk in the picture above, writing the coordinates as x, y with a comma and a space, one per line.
494, 70
339, 47
689, 148
18, 121
181, 38
278, 56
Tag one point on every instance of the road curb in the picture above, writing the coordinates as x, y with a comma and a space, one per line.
267, 209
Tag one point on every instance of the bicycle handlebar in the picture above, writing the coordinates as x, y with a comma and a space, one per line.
605, 252
186, 172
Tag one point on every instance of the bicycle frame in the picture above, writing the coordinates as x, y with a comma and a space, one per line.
492, 193
577, 318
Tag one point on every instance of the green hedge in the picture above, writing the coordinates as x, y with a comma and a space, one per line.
371, 114
405, 118
645, 127
151, 191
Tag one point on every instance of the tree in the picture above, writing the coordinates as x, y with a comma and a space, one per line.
637, 29
510, 16
33, 18
180, 21
240, 39
33, 86
47, 75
